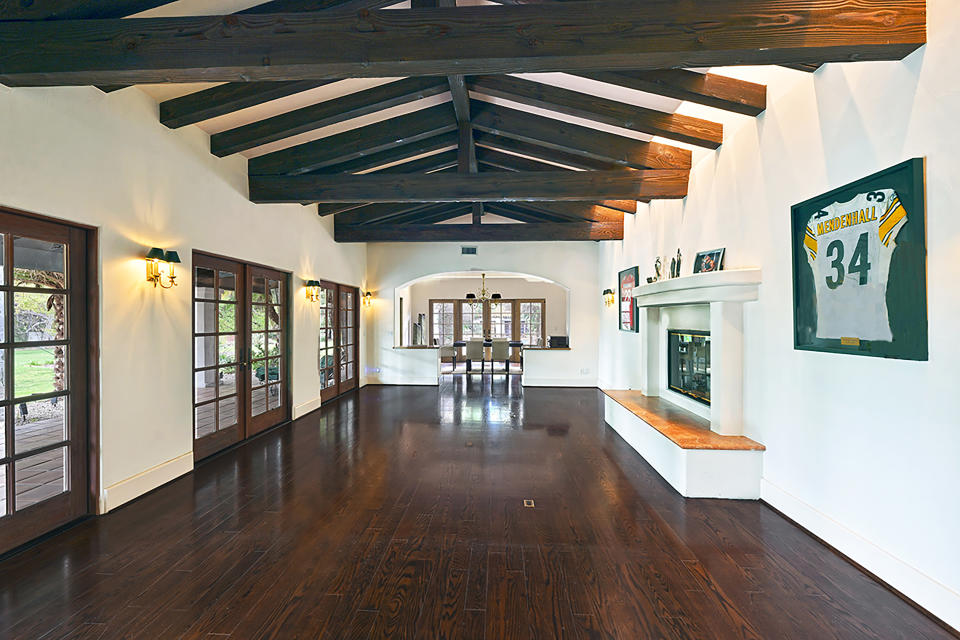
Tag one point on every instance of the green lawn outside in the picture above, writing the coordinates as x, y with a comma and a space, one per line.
33, 371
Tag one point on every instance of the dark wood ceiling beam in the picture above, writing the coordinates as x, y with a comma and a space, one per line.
227, 98
612, 35
531, 232
356, 143
74, 9
569, 210
500, 143
381, 211
575, 139
394, 154
497, 208
478, 187
695, 131
709, 89
305, 6
448, 211
324, 114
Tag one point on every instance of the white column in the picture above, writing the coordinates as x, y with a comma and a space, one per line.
726, 362
650, 338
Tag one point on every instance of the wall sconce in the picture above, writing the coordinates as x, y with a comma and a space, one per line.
367, 299
313, 289
608, 297
156, 258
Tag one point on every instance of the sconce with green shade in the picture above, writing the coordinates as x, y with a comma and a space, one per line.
159, 261
312, 289
608, 297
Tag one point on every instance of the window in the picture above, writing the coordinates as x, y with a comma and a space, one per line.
501, 319
471, 320
441, 322
532, 320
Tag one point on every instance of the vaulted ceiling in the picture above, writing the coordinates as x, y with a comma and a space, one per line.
547, 121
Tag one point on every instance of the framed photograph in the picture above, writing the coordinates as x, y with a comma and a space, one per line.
708, 261
628, 309
859, 267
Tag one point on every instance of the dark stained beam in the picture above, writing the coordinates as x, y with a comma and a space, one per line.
227, 98
709, 89
545, 231
577, 211
479, 187
448, 211
806, 67
73, 9
331, 6
702, 133
356, 143
612, 35
500, 143
323, 114
382, 211
504, 211
394, 154
575, 139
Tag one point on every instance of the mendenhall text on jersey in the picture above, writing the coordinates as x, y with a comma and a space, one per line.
849, 246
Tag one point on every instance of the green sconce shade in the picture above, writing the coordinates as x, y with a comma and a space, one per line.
311, 283
172, 257
156, 254
608, 292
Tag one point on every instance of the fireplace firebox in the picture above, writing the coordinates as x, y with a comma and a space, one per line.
688, 363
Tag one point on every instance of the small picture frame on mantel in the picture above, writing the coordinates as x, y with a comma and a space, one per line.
707, 261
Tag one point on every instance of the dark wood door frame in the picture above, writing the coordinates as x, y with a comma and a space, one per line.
247, 425
339, 386
84, 382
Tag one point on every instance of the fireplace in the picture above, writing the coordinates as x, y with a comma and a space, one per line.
688, 363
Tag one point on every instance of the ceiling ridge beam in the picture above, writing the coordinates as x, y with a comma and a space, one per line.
324, 114
529, 232
356, 143
477, 187
708, 89
687, 129
576, 139
612, 35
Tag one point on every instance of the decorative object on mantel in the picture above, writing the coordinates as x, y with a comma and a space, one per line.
859, 267
679, 258
157, 259
609, 297
484, 295
628, 280
707, 261
657, 270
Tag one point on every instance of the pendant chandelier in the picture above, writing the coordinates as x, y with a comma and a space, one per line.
484, 295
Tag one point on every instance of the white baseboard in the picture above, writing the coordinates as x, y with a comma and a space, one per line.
529, 381
406, 380
126, 490
937, 598
305, 408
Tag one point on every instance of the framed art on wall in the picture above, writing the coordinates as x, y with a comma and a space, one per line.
707, 261
628, 309
859, 267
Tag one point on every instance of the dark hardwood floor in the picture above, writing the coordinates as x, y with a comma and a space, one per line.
398, 513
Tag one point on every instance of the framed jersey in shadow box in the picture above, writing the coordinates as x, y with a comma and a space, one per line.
859, 267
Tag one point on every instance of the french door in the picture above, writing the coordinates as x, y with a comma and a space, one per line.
43, 377
339, 340
240, 353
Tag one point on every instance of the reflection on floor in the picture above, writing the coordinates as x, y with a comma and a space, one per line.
399, 512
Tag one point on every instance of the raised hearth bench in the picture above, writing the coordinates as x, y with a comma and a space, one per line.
680, 446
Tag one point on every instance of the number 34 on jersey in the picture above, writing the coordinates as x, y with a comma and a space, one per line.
849, 246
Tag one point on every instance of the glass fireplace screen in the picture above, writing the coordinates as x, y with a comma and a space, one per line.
689, 363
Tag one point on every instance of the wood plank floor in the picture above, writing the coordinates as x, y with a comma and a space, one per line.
398, 513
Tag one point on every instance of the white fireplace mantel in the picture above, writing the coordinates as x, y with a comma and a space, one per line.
724, 292
736, 285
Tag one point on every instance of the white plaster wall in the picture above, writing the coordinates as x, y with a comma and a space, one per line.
863, 451
105, 160
422, 292
570, 264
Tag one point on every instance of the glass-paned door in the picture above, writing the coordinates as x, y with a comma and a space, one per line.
218, 343
471, 320
43, 380
327, 341
339, 341
441, 322
532, 322
347, 347
501, 319
267, 353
